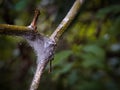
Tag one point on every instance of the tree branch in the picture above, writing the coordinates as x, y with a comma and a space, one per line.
37, 76
66, 21
43, 46
20, 30
14, 29
44, 49
54, 39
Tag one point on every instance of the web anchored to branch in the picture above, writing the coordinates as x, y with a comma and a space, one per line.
43, 46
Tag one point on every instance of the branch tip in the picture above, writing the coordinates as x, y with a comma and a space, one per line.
66, 21
34, 21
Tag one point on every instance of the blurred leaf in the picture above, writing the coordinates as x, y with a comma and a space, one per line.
93, 56
90, 61
61, 57
72, 77
94, 49
114, 29
21, 5
64, 69
91, 85
114, 9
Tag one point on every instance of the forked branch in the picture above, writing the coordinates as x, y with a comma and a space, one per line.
54, 38
43, 46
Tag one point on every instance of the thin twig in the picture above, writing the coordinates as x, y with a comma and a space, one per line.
34, 21
66, 21
20, 30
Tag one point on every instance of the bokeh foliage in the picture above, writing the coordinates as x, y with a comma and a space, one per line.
87, 56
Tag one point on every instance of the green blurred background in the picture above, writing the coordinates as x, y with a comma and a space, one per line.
87, 56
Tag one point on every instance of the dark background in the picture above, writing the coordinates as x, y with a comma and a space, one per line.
88, 54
